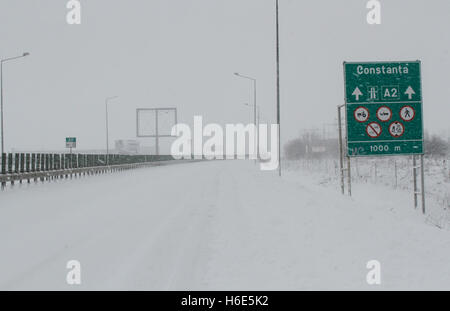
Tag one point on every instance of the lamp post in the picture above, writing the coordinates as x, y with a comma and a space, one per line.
254, 110
1, 94
107, 100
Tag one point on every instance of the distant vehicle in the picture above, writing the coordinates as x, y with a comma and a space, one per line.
127, 146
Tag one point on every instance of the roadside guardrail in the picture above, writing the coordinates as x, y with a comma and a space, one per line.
19, 167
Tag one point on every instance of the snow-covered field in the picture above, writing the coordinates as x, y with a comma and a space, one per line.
390, 173
217, 225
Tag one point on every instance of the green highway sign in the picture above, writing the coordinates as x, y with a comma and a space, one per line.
383, 108
71, 142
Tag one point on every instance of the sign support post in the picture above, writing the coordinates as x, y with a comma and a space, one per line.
395, 174
341, 152
349, 177
156, 134
415, 180
422, 178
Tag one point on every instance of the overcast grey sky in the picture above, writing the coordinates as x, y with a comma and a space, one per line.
182, 53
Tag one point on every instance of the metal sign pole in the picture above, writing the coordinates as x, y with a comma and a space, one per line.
256, 131
341, 160
349, 177
395, 174
422, 181
349, 170
107, 131
415, 180
157, 134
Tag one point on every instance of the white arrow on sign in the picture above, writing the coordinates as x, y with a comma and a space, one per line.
410, 92
357, 93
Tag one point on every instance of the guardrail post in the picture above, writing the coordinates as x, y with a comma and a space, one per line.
33, 165
21, 163
3, 169
16, 163
3, 163
38, 162
66, 165
10, 163
79, 161
47, 165
27, 162
75, 164
33, 162
73, 160
50, 166
27, 166
54, 164
42, 166
60, 166
71, 164
13, 166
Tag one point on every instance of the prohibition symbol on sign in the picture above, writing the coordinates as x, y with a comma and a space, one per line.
407, 113
384, 113
396, 129
361, 114
373, 129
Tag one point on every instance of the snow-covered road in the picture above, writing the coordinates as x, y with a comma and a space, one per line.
215, 225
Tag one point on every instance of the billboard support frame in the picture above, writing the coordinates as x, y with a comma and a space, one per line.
157, 136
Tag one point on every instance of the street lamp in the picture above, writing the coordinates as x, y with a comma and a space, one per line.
107, 100
254, 109
1, 94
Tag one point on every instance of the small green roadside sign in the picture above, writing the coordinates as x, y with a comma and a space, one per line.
71, 142
383, 108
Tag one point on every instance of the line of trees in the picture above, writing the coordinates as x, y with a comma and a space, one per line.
436, 146
311, 145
